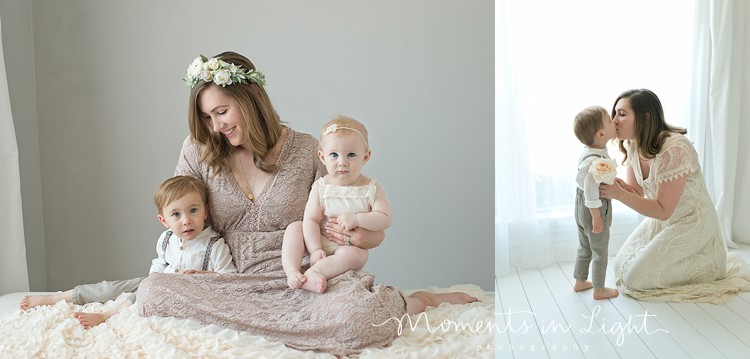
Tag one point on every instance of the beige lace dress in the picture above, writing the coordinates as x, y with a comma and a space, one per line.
343, 320
684, 258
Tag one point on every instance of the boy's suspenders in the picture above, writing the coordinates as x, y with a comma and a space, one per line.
206, 257
587, 156
166, 241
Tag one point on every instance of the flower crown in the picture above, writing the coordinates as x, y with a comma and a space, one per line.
221, 73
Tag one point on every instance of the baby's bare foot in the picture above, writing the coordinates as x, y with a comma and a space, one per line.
582, 285
295, 280
316, 282
89, 320
605, 293
32, 301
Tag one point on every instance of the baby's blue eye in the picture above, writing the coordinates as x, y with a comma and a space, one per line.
194, 210
176, 214
334, 155
351, 155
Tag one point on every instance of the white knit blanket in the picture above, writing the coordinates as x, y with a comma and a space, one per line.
51, 332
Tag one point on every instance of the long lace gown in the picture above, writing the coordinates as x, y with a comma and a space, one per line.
684, 258
343, 320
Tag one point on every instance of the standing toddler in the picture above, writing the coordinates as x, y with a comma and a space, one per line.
594, 128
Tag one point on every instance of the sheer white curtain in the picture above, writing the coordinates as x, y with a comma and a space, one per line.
718, 66
741, 226
13, 254
552, 64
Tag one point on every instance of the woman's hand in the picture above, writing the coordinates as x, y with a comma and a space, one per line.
610, 191
624, 185
613, 191
358, 237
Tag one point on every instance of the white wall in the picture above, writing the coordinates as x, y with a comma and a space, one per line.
112, 114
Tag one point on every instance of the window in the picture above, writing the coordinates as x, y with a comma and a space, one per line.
556, 58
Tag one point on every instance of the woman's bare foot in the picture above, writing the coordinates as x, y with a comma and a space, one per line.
605, 293
33, 301
295, 280
419, 301
582, 285
90, 320
315, 282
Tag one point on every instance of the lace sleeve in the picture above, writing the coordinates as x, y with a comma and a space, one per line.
189, 162
677, 158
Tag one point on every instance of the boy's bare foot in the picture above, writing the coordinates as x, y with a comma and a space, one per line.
582, 285
32, 301
295, 280
605, 293
90, 320
316, 282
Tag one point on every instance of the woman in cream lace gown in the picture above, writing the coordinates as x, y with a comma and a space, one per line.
258, 173
677, 253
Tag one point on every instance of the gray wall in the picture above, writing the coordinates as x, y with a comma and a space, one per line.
18, 50
111, 114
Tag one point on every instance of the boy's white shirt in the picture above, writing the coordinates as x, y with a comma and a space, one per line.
175, 260
585, 180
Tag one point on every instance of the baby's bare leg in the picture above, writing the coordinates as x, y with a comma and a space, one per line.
292, 249
344, 259
32, 301
417, 302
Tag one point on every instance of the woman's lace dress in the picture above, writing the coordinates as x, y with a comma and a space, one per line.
343, 320
684, 258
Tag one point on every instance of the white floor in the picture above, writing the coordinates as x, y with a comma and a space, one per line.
539, 316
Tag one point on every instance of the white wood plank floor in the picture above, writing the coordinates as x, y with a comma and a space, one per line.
538, 315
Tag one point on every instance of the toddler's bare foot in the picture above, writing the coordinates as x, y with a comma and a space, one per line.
32, 301
604, 293
316, 282
582, 285
90, 320
295, 280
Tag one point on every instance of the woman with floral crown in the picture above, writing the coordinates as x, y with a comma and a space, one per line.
258, 173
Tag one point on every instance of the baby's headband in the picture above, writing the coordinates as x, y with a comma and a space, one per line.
221, 73
333, 128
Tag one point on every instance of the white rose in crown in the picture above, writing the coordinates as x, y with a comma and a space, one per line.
212, 64
223, 77
195, 68
206, 75
604, 170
